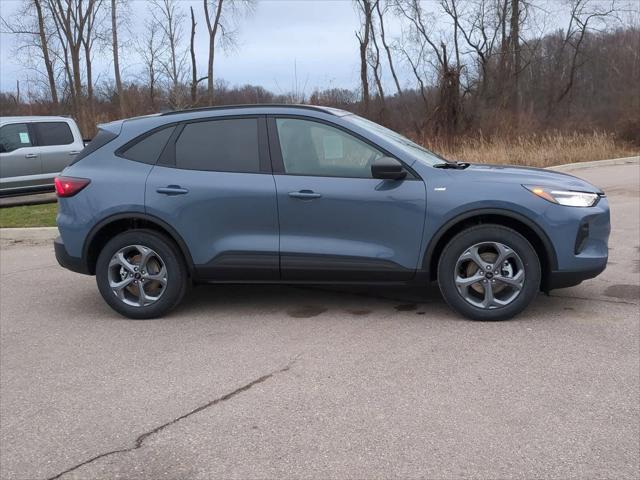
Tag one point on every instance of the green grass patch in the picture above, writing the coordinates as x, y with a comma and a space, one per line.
29, 216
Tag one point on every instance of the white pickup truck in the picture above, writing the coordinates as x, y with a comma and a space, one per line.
33, 150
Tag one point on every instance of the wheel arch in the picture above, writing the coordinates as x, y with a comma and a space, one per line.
104, 230
521, 224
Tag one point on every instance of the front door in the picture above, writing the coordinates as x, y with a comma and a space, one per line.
337, 223
20, 164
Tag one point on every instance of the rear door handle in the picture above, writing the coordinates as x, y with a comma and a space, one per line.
305, 195
74, 152
31, 155
172, 190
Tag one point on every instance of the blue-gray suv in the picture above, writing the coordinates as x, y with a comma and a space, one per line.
313, 195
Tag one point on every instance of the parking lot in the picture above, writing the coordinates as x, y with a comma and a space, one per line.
284, 382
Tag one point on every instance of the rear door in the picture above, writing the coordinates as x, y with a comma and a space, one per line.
20, 165
57, 145
337, 223
213, 183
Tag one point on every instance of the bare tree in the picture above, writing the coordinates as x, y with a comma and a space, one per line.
387, 49
221, 16
151, 50
169, 18
365, 8
116, 55
35, 32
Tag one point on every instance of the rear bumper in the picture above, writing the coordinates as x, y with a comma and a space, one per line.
75, 264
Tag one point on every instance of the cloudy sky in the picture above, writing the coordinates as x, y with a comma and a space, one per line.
314, 38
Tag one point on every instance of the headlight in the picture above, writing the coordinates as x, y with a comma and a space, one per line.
564, 197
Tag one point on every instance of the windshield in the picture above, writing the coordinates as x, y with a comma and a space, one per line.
399, 141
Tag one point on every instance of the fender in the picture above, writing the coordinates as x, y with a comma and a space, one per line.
548, 246
175, 236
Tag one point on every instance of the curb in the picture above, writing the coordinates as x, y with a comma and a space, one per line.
567, 167
32, 199
10, 236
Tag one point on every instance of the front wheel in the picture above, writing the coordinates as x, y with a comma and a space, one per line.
140, 274
489, 272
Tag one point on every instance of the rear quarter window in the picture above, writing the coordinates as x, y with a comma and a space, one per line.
101, 139
147, 149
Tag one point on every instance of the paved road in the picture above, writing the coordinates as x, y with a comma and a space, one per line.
247, 382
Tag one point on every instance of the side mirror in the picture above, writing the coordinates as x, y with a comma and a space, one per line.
388, 168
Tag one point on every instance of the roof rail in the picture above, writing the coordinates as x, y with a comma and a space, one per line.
256, 105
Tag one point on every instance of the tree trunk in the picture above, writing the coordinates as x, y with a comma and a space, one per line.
213, 32
387, 49
116, 56
45, 53
364, 45
194, 73
515, 47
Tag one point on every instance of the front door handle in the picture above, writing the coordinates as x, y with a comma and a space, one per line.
74, 152
172, 190
305, 195
31, 155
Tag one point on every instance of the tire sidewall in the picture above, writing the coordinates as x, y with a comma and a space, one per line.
480, 234
176, 273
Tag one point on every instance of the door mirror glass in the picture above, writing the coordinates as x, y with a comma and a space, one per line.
388, 168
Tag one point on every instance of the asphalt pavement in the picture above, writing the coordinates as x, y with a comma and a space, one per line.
283, 382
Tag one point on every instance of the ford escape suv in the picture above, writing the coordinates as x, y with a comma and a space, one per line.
305, 194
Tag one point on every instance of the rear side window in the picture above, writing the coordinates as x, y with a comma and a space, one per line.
101, 139
14, 136
229, 145
149, 148
53, 133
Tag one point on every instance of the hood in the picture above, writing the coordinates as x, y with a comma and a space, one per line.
529, 176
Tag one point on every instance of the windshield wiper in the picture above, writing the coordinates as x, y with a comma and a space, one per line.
454, 165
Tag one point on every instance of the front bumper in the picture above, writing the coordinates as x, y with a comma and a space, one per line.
65, 260
564, 279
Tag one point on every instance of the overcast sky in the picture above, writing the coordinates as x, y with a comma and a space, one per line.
314, 37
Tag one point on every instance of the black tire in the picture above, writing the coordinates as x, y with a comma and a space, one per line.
176, 273
465, 240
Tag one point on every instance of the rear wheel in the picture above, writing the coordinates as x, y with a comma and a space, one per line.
140, 274
489, 272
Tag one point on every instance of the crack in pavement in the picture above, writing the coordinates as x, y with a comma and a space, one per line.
141, 438
605, 300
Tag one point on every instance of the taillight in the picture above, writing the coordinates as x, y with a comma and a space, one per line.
69, 186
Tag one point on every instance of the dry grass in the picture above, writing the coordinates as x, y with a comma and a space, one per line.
537, 150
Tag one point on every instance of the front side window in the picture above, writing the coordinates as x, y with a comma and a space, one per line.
313, 148
53, 133
226, 145
149, 148
14, 136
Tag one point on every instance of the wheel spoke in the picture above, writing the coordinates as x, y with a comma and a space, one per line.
504, 252
160, 277
145, 255
120, 285
516, 281
120, 259
474, 255
465, 282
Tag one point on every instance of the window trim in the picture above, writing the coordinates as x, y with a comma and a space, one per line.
30, 130
168, 156
276, 151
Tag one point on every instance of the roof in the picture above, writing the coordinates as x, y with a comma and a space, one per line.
333, 111
33, 118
